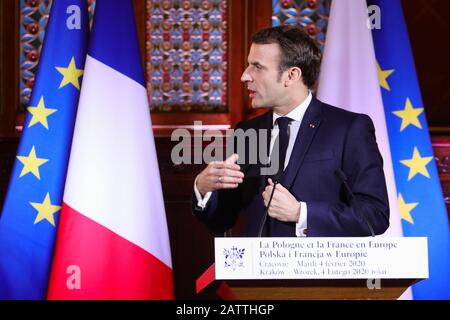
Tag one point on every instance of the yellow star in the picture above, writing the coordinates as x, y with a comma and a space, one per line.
71, 75
382, 77
40, 114
409, 115
31, 164
417, 164
45, 210
405, 209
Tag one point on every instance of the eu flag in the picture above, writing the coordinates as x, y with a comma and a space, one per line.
420, 198
30, 214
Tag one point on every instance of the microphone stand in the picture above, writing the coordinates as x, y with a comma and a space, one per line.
360, 210
266, 213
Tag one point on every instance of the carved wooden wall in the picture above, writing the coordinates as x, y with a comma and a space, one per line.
441, 148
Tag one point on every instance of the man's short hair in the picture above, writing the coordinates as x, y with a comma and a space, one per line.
297, 50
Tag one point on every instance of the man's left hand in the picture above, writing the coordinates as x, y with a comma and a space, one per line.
284, 206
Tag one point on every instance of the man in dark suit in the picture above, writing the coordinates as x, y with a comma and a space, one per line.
318, 146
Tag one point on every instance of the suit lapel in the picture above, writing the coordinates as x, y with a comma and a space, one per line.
308, 128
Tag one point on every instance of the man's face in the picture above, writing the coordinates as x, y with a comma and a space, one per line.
261, 76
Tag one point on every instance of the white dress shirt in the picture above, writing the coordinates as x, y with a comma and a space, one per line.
294, 126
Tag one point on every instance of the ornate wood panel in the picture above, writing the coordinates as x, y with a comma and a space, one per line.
187, 55
312, 15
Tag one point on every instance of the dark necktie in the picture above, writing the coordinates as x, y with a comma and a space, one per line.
277, 159
281, 145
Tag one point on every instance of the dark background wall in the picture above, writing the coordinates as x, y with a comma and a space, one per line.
429, 27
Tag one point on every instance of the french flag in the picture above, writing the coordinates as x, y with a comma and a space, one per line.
112, 241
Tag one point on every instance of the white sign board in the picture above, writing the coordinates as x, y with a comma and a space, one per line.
321, 258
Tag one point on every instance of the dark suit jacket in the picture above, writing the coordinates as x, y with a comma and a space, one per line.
329, 138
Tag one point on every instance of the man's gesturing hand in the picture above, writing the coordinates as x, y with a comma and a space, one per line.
220, 175
284, 206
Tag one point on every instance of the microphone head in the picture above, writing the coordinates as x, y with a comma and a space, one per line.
276, 177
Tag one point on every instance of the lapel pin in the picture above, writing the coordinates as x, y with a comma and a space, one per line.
311, 125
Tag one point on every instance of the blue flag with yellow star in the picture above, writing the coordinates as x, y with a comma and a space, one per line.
420, 198
30, 215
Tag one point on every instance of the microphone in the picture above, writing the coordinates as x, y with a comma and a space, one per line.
266, 212
275, 178
341, 175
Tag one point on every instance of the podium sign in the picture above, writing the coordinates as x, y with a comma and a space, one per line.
321, 258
